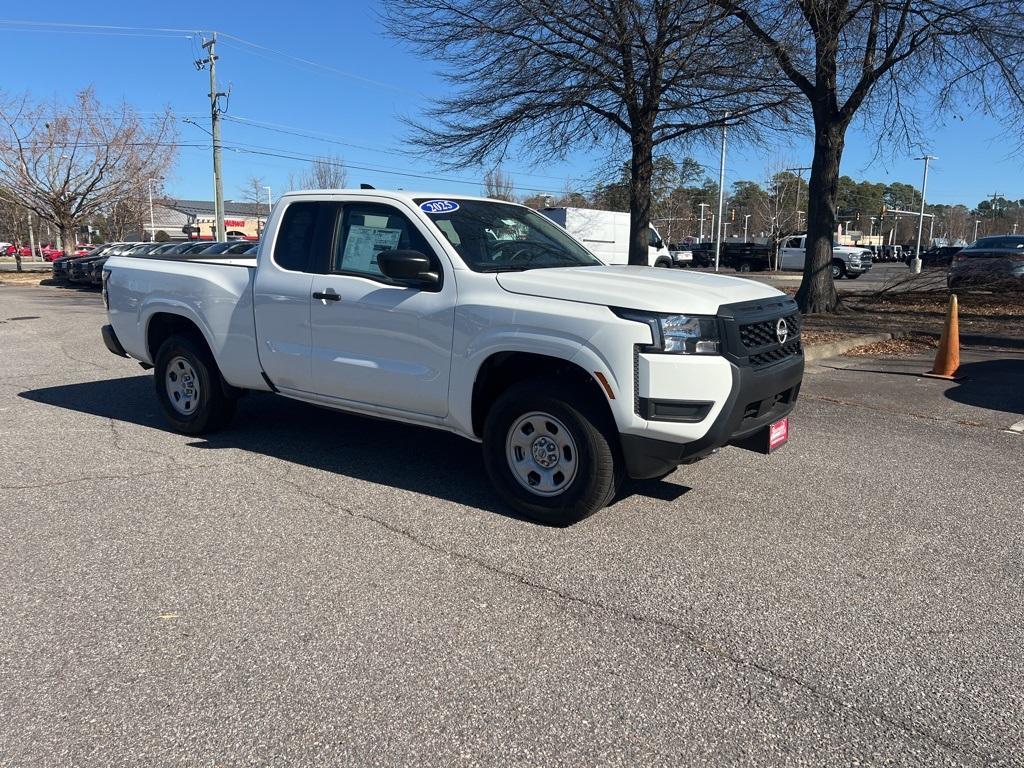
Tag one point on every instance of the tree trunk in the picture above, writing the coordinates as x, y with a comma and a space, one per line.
67, 237
640, 172
817, 293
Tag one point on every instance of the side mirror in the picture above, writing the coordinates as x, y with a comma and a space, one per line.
407, 266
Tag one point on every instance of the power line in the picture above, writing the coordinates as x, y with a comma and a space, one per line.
71, 25
316, 64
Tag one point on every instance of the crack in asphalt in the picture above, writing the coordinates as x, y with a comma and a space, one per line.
926, 417
87, 479
708, 647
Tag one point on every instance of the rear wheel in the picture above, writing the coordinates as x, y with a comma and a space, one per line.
745, 266
550, 454
838, 270
189, 387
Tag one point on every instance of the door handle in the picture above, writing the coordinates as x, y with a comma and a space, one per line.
326, 296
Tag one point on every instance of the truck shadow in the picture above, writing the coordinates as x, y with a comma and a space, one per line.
997, 385
418, 459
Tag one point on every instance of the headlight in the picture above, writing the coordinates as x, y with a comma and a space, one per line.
677, 334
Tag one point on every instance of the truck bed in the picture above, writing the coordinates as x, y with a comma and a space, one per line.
215, 294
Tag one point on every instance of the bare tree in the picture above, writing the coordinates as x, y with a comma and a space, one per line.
498, 184
128, 215
69, 164
776, 207
254, 191
324, 172
553, 77
882, 59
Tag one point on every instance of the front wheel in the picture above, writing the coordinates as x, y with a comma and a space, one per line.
838, 270
663, 262
549, 453
189, 387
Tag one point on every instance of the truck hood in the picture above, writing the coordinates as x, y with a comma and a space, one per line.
643, 288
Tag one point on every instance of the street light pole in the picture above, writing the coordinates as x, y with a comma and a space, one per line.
700, 237
920, 218
746, 218
976, 223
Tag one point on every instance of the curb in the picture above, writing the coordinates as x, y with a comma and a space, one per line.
836, 348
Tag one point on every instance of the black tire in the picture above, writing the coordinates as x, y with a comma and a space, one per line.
663, 262
213, 406
745, 266
597, 475
838, 270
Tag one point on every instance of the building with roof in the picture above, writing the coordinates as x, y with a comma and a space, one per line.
195, 220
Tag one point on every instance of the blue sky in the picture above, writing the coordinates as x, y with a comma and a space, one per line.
353, 95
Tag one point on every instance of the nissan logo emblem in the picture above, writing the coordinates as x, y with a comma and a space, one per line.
782, 330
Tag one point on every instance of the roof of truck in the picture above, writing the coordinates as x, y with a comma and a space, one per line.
402, 194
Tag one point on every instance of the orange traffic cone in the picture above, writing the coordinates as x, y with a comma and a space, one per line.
947, 359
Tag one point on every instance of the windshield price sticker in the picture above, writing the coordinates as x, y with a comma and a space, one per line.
439, 206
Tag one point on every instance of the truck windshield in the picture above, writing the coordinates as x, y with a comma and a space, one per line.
499, 237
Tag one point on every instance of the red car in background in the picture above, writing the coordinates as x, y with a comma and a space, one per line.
49, 252
24, 251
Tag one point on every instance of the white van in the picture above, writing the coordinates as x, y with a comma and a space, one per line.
606, 234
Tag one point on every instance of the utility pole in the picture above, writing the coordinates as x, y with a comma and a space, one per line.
799, 183
700, 238
218, 187
920, 219
995, 196
152, 225
721, 195
746, 218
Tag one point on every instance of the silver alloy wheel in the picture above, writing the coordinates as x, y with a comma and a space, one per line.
541, 453
182, 386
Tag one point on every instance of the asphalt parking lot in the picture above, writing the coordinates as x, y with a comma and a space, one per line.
310, 587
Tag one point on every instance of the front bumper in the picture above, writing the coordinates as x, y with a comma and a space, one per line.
758, 398
685, 407
857, 269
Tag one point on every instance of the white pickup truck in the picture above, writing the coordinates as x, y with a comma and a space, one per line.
848, 261
476, 316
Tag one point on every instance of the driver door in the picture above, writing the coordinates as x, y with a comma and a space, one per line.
374, 341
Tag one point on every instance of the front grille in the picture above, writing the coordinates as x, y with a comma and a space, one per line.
760, 340
788, 349
754, 335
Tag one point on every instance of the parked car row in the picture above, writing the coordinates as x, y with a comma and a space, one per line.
87, 268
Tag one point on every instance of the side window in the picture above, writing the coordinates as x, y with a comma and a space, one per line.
793, 242
294, 245
366, 230
652, 238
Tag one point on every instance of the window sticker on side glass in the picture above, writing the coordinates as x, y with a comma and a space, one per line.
364, 243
